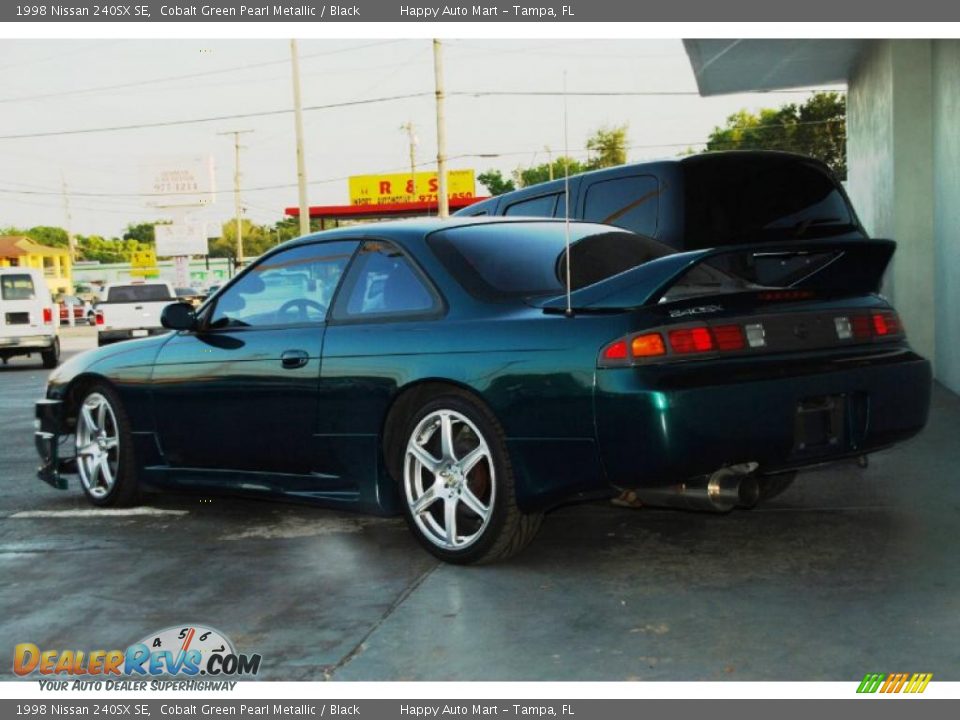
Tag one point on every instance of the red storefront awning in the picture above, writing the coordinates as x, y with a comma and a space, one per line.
373, 212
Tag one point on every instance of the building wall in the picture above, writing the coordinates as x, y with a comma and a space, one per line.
202, 273
902, 155
56, 269
946, 184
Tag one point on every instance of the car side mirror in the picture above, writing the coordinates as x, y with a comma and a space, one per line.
178, 316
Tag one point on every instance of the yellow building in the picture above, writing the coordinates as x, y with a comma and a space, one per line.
21, 251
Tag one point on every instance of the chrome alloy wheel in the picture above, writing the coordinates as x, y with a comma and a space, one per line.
449, 480
98, 445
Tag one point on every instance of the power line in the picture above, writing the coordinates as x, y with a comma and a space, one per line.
215, 118
573, 93
460, 156
188, 76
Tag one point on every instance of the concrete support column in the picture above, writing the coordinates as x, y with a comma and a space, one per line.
946, 197
891, 178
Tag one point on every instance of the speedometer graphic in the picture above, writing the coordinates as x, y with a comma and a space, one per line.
198, 642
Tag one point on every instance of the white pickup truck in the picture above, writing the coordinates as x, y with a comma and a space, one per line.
131, 310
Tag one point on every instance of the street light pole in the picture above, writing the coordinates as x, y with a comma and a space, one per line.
71, 239
236, 187
412, 139
298, 123
443, 203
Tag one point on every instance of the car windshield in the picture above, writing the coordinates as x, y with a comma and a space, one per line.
138, 293
733, 199
513, 260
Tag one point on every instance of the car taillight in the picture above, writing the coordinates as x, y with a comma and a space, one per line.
884, 324
691, 340
682, 341
615, 351
47, 316
99, 317
776, 332
648, 345
729, 337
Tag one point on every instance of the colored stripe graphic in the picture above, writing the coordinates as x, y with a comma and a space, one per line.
894, 683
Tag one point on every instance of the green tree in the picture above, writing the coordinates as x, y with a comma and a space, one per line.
525, 177
496, 183
49, 236
816, 128
141, 232
113, 250
257, 239
607, 147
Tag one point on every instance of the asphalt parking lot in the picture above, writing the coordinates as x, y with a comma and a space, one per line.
845, 573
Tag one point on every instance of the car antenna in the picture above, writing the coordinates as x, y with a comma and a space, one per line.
566, 195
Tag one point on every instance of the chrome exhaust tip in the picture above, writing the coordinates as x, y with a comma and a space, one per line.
723, 490
733, 486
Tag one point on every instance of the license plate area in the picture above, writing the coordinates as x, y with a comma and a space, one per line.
139, 333
18, 318
820, 425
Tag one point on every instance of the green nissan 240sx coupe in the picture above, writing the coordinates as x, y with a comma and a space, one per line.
442, 370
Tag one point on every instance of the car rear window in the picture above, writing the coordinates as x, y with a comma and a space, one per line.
17, 287
138, 293
733, 199
503, 261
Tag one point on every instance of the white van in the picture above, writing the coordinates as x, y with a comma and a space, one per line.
28, 317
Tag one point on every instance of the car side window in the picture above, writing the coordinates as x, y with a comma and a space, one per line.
383, 282
543, 206
292, 287
628, 202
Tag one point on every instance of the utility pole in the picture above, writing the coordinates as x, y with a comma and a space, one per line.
71, 240
236, 187
298, 123
549, 160
412, 139
443, 203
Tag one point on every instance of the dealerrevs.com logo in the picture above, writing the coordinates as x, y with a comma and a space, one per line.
183, 650
890, 683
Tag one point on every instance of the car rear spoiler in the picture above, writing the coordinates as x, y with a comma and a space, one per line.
857, 268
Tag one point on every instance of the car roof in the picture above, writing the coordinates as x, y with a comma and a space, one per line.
720, 157
414, 228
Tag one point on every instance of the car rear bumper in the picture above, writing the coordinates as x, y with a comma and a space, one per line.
27, 342
657, 426
47, 438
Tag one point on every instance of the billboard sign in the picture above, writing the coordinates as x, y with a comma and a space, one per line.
143, 263
395, 188
186, 181
182, 238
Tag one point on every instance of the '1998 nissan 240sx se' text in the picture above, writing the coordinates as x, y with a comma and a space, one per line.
441, 369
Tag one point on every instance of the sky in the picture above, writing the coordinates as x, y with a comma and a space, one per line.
57, 88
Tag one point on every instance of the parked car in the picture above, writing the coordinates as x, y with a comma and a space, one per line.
439, 369
131, 310
71, 304
698, 201
189, 295
27, 321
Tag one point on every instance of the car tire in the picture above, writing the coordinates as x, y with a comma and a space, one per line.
454, 466
104, 446
772, 486
51, 357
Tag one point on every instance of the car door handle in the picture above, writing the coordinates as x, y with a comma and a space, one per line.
291, 359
